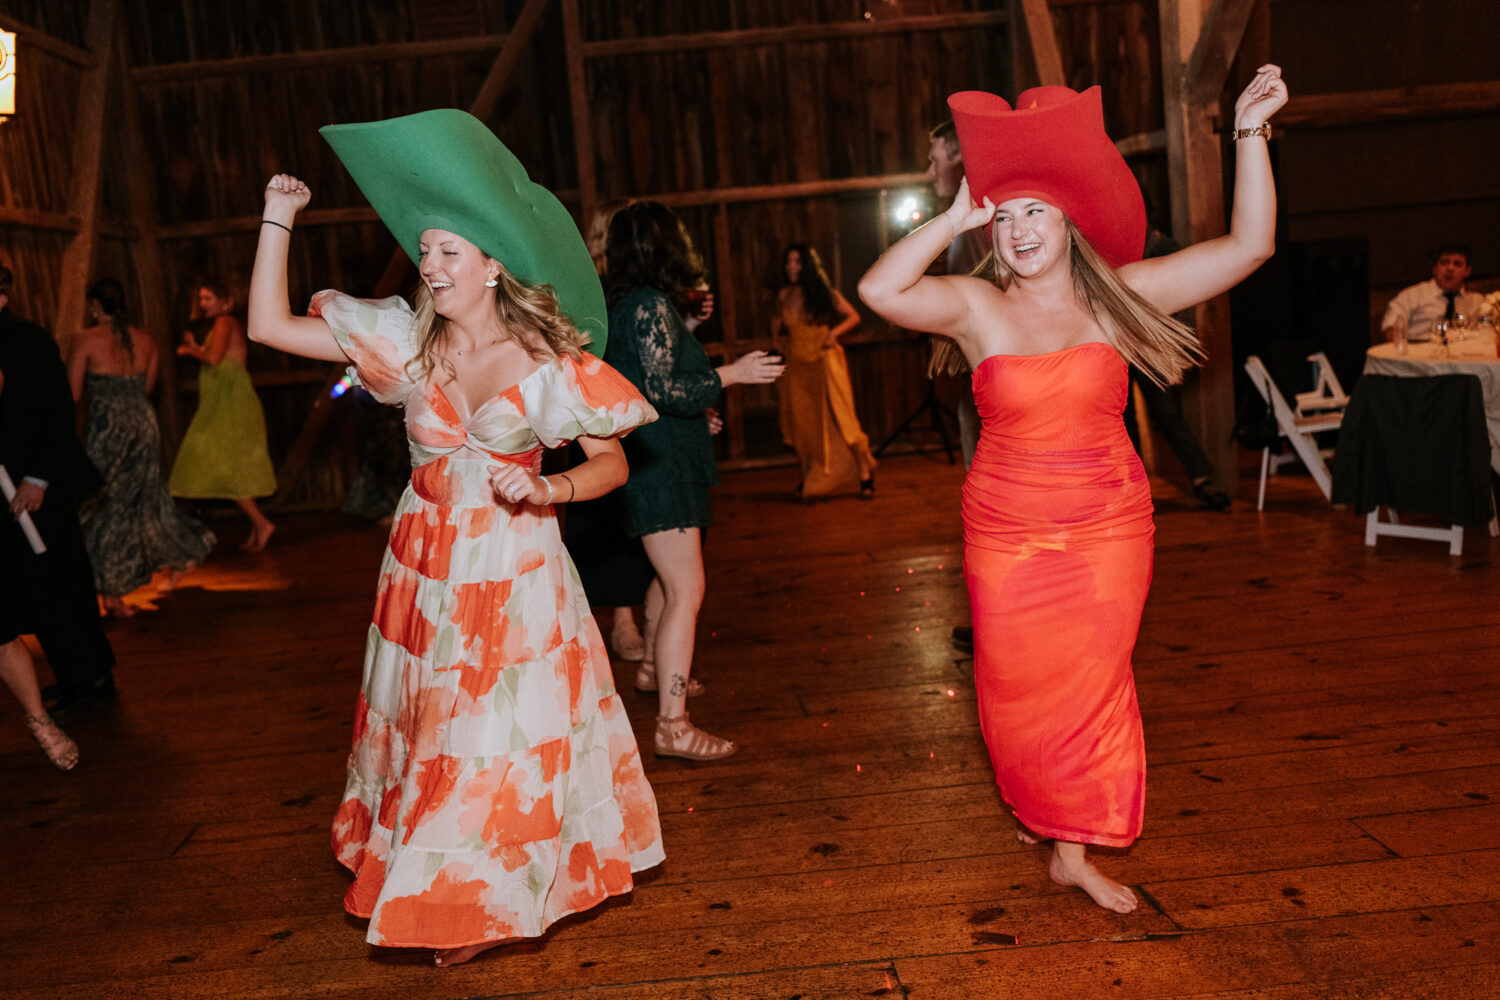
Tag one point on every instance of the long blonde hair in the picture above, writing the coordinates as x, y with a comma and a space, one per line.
528, 314
1163, 348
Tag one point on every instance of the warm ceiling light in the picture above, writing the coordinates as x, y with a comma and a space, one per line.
7, 74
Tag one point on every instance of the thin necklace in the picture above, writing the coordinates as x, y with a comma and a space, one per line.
479, 348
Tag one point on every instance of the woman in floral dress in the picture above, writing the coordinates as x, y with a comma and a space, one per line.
495, 785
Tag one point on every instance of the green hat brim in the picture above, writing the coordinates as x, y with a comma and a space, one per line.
445, 169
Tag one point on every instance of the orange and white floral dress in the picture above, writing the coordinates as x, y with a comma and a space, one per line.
495, 785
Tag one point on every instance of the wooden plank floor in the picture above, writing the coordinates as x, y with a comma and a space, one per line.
1323, 813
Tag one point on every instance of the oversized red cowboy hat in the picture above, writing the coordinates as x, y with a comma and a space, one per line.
1052, 146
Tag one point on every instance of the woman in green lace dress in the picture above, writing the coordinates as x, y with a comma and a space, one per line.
133, 528
651, 268
223, 455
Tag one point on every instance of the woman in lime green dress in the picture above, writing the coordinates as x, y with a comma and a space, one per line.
223, 455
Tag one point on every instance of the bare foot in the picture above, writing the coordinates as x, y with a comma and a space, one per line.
458, 956
115, 607
1101, 889
1025, 836
177, 573
259, 536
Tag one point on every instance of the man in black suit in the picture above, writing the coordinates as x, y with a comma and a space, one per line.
52, 595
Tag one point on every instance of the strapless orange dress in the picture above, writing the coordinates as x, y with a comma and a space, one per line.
1057, 557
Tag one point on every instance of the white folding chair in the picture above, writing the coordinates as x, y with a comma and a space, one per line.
1327, 394
1297, 427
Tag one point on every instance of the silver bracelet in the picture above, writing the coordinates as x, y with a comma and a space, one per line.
547, 483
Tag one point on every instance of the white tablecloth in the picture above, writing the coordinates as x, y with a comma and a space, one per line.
1474, 356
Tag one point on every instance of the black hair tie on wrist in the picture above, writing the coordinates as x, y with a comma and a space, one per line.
268, 222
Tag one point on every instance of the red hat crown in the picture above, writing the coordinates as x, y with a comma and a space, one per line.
1052, 146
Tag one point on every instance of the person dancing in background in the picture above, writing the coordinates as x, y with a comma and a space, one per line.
494, 785
651, 270
133, 528
613, 566
817, 401
1056, 506
223, 454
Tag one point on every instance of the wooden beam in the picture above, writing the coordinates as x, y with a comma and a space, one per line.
251, 223
1144, 142
505, 63
282, 62
778, 192
85, 188
788, 35
1196, 175
30, 218
1441, 100
1037, 22
1218, 41
40, 40
583, 128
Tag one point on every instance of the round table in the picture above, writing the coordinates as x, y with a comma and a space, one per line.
1473, 356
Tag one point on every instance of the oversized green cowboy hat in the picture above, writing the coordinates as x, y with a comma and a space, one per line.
445, 170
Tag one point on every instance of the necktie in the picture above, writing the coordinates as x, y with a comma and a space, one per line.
1452, 311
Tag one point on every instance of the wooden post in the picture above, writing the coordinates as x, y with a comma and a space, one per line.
84, 187
1198, 42
578, 99
151, 291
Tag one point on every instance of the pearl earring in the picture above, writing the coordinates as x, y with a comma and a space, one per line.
491, 283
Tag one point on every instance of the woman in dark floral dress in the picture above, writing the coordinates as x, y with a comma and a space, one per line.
651, 268
133, 528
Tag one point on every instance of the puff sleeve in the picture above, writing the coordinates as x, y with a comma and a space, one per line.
584, 398
379, 337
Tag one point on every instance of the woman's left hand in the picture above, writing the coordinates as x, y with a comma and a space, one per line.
513, 484
715, 422
1261, 99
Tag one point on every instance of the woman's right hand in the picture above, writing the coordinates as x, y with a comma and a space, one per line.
966, 215
285, 197
755, 368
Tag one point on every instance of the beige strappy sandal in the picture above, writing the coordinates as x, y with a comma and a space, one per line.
678, 737
61, 750
645, 681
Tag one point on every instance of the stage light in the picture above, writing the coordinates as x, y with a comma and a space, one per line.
905, 209
340, 387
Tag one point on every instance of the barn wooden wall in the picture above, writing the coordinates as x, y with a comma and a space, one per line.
762, 121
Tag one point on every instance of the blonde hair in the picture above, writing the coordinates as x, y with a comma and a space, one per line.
527, 314
1162, 348
598, 232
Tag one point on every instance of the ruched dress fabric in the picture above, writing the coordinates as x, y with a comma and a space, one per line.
133, 528
817, 409
223, 454
494, 785
1057, 555
672, 462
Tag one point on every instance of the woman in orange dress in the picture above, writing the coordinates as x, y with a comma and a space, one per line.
1056, 506
494, 784
817, 401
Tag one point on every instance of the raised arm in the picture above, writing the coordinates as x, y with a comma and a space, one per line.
271, 321
898, 287
1206, 269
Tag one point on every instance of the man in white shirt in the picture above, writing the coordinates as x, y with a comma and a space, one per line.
1443, 297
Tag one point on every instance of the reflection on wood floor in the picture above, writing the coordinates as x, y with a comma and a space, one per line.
1323, 812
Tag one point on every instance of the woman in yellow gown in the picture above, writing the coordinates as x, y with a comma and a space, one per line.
817, 401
